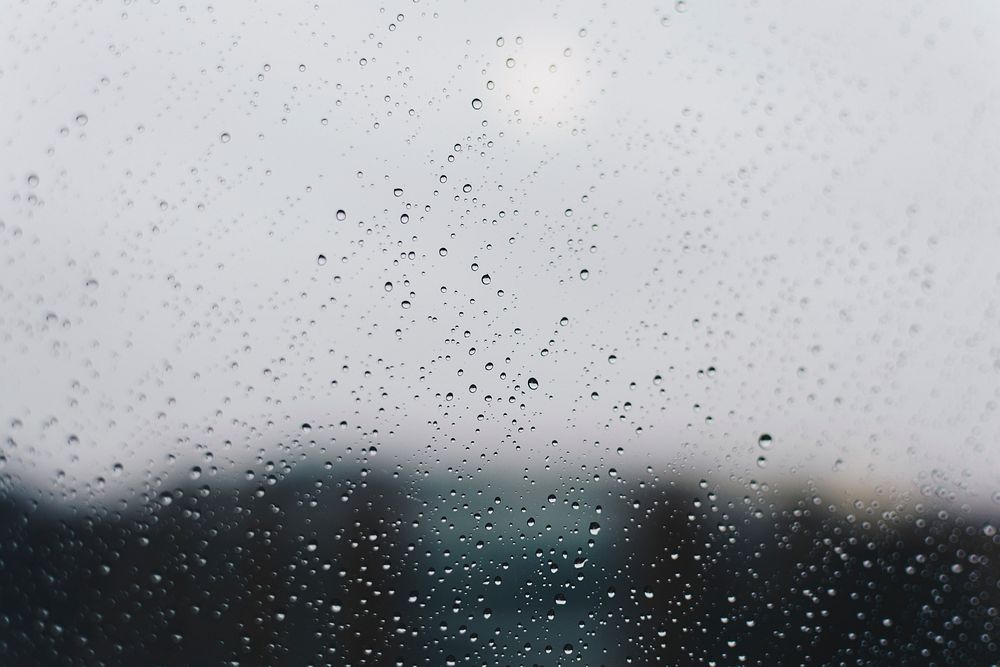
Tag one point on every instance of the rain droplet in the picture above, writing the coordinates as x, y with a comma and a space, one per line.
532, 383
224, 137
477, 103
764, 441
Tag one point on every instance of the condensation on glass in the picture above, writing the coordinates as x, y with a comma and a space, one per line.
444, 333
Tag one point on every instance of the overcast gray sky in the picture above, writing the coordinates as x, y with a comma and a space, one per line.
785, 211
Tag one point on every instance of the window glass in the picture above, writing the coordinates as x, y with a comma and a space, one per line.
449, 333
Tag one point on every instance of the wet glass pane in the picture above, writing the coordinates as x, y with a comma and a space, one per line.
450, 333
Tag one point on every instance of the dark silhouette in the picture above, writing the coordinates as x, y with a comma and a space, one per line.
352, 567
